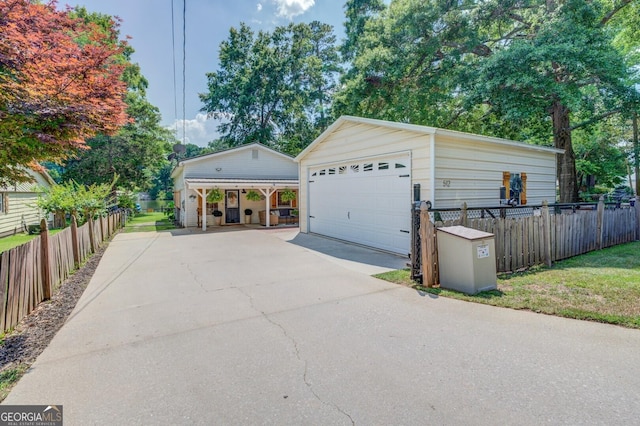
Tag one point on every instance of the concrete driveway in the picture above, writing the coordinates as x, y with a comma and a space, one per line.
264, 327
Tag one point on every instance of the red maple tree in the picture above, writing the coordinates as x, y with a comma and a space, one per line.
59, 84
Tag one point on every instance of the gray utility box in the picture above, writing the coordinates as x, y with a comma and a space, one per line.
466, 259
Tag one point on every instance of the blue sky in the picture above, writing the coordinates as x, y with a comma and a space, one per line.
148, 23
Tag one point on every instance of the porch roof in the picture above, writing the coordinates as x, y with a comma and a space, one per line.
206, 183
266, 187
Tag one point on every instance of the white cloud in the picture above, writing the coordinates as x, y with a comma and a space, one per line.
291, 8
259, 7
199, 131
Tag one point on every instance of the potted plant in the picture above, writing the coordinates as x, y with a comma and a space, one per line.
253, 196
216, 196
288, 195
247, 215
217, 217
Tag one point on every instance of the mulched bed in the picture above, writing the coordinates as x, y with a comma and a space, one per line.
32, 335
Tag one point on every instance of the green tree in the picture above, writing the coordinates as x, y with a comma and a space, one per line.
138, 151
567, 67
76, 199
162, 186
357, 12
534, 70
598, 161
626, 24
59, 84
272, 85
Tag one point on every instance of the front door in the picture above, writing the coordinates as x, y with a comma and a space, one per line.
232, 206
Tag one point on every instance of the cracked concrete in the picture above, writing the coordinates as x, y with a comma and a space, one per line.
271, 327
298, 356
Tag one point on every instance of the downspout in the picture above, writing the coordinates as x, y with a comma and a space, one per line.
432, 160
183, 218
307, 200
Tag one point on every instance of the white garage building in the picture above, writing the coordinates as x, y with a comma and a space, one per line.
357, 178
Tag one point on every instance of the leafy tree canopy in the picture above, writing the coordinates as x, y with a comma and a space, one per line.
533, 70
73, 198
136, 153
59, 84
273, 87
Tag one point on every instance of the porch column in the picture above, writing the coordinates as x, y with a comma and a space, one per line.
267, 192
203, 194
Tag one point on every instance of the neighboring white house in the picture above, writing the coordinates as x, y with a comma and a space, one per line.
359, 177
18, 207
234, 171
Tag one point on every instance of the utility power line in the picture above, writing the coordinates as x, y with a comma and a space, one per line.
175, 87
184, 69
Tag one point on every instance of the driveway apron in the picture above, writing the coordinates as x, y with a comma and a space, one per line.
262, 327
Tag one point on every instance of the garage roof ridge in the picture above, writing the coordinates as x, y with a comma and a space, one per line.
420, 129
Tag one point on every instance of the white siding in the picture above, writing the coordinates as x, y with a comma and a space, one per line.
451, 168
241, 165
471, 172
352, 141
21, 207
178, 181
21, 204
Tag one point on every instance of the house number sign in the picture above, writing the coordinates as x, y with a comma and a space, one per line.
446, 183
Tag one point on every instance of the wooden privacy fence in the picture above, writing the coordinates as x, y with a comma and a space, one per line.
31, 272
522, 242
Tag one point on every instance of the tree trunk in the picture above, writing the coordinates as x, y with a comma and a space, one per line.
59, 219
566, 163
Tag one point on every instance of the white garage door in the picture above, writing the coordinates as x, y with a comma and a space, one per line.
363, 201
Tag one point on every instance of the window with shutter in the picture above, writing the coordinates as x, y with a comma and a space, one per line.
516, 187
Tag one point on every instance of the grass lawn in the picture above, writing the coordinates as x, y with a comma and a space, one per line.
8, 243
8, 378
147, 222
599, 286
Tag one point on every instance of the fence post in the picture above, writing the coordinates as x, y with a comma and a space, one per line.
101, 220
45, 260
600, 227
92, 237
427, 247
463, 214
546, 233
637, 207
74, 241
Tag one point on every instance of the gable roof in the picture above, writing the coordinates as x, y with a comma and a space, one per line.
233, 150
225, 152
39, 178
427, 130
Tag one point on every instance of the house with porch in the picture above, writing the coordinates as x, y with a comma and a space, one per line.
236, 172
